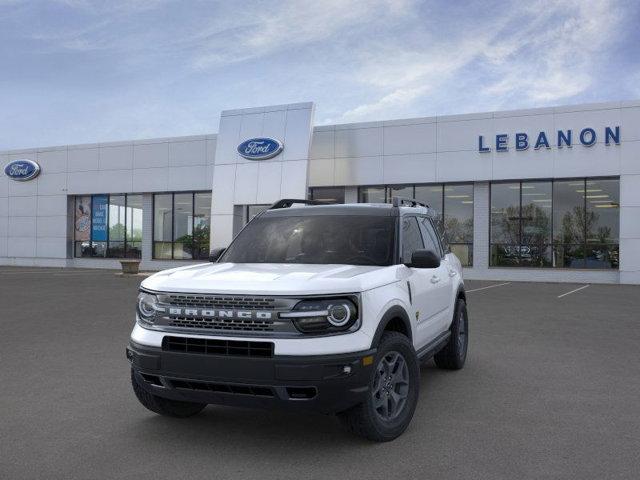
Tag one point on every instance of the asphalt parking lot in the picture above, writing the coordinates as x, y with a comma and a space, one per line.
551, 390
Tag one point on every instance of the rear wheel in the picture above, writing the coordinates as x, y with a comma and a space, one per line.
454, 354
393, 392
164, 406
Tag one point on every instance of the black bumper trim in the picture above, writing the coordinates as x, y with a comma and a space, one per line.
324, 383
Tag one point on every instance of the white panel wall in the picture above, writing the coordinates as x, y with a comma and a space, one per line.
34, 219
238, 181
445, 149
34, 223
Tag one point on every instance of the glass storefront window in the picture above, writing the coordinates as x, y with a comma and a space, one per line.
108, 226
404, 191
535, 228
431, 195
117, 219
372, 195
201, 224
451, 203
162, 225
458, 220
521, 224
253, 210
82, 226
134, 226
327, 194
555, 224
182, 225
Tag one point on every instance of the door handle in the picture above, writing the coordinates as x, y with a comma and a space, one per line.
435, 279
452, 273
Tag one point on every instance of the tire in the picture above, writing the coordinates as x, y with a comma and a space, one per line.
164, 406
368, 419
454, 353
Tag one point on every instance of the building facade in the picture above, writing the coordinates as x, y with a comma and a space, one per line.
549, 194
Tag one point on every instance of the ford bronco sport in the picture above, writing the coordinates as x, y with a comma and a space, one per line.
329, 308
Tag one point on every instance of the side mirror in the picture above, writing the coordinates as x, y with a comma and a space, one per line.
424, 259
215, 254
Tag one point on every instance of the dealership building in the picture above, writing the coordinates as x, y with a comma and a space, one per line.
547, 194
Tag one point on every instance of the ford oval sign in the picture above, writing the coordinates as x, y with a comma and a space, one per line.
260, 148
22, 170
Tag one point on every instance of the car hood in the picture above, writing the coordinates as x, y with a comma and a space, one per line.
270, 278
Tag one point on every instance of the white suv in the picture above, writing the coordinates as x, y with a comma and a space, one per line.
328, 308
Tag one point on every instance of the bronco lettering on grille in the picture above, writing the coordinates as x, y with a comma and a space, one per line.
213, 313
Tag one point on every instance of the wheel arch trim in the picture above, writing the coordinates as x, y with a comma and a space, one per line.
393, 312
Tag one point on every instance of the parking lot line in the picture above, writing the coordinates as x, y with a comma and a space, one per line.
573, 291
488, 286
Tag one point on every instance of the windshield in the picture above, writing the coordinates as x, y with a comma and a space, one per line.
320, 239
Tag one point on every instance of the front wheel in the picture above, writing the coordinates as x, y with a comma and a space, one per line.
393, 392
454, 353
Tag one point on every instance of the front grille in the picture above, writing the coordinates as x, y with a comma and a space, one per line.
219, 301
208, 346
241, 325
185, 311
254, 390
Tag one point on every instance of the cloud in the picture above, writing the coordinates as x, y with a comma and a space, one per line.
125, 69
541, 53
289, 23
555, 63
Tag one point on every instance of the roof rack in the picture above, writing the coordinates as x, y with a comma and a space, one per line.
288, 202
409, 202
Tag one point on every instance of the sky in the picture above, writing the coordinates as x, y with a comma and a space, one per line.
80, 71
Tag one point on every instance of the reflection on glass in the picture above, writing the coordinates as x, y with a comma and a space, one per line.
182, 225
328, 194
253, 210
134, 226
535, 243
116, 232
432, 196
372, 195
564, 224
117, 219
201, 225
162, 225
404, 191
458, 220
568, 212
505, 213
603, 211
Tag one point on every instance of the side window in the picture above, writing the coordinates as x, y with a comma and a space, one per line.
429, 235
411, 238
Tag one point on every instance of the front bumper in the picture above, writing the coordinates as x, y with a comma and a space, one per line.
323, 383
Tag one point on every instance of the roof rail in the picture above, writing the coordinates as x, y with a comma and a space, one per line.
288, 202
410, 202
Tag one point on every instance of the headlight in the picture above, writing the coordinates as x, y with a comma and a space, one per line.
327, 315
147, 306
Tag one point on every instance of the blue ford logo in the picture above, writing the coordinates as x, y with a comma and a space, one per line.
22, 170
260, 148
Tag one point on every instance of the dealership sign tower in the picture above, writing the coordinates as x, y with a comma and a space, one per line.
262, 155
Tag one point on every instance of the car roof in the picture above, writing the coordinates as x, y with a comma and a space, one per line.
358, 209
